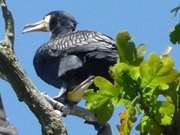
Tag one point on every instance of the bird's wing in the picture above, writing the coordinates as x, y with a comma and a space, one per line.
68, 63
97, 46
80, 41
70, 48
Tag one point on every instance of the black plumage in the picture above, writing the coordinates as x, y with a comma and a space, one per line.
70, 56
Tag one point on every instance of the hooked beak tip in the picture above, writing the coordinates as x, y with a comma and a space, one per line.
26, 29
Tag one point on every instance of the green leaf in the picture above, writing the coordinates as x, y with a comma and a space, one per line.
123, 101
118, 71
126, 76
89, 96
104, 110
148, 126
166, 120
106, 87
173, 90
127, 50
102, 83
175, 35
167, 109
145, 124
157, 72
101, 105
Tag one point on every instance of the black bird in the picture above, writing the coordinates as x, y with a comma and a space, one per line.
71, 56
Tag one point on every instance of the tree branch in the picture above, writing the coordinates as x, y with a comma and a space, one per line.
5, 127
9, 24
89, 117
49, 118
175, 10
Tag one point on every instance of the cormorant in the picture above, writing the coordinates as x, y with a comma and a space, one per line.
71, 56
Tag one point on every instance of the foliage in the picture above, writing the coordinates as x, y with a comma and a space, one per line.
149, 87
175, 10
175, 34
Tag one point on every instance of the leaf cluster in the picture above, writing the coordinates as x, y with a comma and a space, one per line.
144, 86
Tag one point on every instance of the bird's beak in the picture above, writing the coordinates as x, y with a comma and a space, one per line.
42, 26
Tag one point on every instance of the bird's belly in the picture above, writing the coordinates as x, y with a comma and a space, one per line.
49, 74
94, 67
72, 78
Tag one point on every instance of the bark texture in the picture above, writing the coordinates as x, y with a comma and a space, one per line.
49, 118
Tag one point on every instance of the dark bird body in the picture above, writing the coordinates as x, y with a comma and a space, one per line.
70, 56
70, 59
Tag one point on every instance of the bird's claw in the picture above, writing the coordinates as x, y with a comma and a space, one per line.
65, 110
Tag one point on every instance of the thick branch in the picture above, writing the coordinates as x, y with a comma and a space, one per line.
49, 118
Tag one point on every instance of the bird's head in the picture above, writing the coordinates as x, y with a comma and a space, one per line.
57, 22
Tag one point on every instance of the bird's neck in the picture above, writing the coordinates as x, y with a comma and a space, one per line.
60, 32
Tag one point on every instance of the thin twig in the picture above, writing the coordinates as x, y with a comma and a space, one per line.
9, 24
175, 10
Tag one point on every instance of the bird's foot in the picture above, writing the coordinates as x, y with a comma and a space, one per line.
73, 96
85, 84
63, 108
60, 97
77, 93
